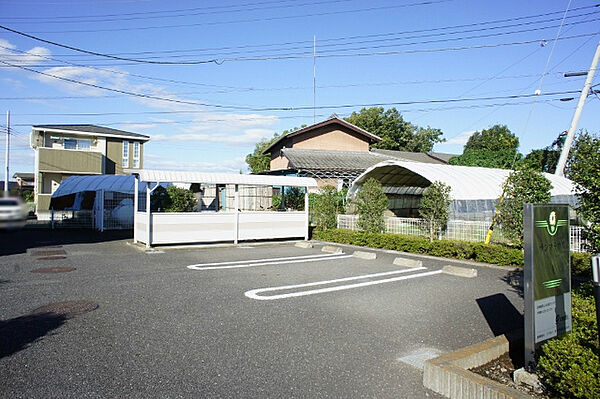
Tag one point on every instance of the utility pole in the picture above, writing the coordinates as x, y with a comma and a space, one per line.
562, 161
7, 152
314, 78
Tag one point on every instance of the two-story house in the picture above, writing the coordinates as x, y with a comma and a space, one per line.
67, 150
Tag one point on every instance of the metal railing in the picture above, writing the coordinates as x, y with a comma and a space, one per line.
462, 230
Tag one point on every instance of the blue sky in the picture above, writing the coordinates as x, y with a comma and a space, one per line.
208, 79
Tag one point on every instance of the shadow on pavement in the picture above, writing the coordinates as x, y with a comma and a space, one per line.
515, 280
19, 241
503, 318
16, 334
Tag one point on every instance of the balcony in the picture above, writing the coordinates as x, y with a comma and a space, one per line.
54, 160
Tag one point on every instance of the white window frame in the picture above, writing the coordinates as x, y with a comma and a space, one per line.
125, 152
136, 154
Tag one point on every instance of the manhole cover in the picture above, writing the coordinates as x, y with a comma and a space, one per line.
56, 269
68, 308
49, 252
52, 257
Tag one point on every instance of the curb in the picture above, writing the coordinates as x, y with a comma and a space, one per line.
448, 374
423, 256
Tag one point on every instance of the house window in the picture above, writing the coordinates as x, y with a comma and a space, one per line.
136, 154
125, 154
76, 144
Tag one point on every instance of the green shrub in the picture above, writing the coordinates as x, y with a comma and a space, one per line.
371, 203
434, 207
492, 253
324, 207
580, 264
496, 254
570, 366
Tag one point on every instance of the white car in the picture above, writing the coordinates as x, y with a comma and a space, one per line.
12, 212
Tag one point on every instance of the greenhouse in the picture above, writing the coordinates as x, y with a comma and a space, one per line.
474, 190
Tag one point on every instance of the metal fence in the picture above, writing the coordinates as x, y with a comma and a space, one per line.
461, 230
63, 219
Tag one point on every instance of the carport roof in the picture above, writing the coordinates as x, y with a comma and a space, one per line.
466, 182
76, 184
174, 176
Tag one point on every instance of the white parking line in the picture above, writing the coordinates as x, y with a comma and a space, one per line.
254, 294
267, 261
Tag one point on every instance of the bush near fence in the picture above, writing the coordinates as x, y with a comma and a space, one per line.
492, 253
462, 230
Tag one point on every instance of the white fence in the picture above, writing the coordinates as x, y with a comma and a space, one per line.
456, 229
202, 227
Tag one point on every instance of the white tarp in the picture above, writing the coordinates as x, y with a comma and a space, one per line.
466, 182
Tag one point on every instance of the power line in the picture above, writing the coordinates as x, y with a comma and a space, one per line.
336, 42
152, 14
263, 19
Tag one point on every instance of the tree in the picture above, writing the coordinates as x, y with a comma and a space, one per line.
434, 207
396, 133
173, 199
495, 147
371, 203
324, 207
522, 186
259, 162
584, 169
545, 159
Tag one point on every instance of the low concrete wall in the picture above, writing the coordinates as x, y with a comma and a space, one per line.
448, 374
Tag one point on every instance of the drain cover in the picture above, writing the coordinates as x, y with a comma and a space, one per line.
48, 252
67, 309
56, 269
52, 257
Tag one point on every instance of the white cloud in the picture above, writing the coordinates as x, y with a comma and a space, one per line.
133, 127
461, 139
248, 136
9, 54
234, 165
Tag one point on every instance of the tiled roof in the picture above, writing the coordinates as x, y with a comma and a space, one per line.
331, 160
101, 130
350, 161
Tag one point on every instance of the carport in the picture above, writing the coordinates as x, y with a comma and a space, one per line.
226, 225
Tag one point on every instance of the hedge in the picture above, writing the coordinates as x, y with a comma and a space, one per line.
570, 366
492, 253
477, 251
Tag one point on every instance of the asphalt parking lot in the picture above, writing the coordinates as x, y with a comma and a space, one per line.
268, 320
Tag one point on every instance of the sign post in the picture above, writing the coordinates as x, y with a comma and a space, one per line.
547, 275
596, 278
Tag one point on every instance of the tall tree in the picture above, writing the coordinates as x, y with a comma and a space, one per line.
259, 162
522, 186
584, 169
397, 134
495, 147
545, 159
434, 207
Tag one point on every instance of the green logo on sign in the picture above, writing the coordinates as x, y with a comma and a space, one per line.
552, 283
552, 224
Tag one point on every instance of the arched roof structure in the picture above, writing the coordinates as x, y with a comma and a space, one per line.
466, 182
117, 183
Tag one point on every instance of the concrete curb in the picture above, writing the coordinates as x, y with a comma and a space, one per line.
406, 262
448, 374
459, 271
423, 256
365, 255
303, 244
331, 248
